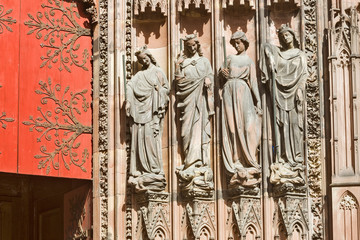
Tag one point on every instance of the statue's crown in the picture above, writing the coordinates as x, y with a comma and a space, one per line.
284, 28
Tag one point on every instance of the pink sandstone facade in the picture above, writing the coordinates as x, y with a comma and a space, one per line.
327, 207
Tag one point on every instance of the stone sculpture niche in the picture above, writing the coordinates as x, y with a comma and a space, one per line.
146, 104
241, 119
284, 68
195, 102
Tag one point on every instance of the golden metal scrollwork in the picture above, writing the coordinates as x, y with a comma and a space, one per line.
63, 119
5, 20
60, 35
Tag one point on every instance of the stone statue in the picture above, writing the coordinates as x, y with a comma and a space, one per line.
146, 104
195, 101
285, 69
240, 117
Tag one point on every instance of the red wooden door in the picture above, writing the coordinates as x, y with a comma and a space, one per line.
48, 81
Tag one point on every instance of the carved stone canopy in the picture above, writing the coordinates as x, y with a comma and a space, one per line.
184, 4
271, 2
142, 4
228, 3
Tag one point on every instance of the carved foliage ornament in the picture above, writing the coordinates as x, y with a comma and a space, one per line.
103, 127
5, 20
141, 4
61, 120
61, 32
348, 202
314, 165
184, 4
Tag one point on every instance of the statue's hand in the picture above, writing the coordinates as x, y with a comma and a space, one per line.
179, 61
299, 99
207, 82
272, 63
156, 128
225, 72
258, 108
127, 108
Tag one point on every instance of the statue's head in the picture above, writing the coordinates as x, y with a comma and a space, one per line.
287, 36
239, 41
144, 57
192, 45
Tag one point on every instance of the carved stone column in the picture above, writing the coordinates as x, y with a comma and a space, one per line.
344, 73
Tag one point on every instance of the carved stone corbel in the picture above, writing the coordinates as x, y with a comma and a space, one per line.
291, 217
199, 220
153, 216
244, 218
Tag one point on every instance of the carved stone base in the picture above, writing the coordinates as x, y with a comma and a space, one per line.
196, 182
244, 218
291, 217
153, 215
243, 191
289, 188
198, 220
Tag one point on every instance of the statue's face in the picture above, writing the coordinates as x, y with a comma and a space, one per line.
191, 46
287, 37
144, 60
239, 45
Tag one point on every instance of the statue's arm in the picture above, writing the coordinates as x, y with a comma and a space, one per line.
254, 87
267, 62
178, 69
129, 98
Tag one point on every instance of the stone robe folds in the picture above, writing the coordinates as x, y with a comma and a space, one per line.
241, 125
290, 77
147, 93
193, 103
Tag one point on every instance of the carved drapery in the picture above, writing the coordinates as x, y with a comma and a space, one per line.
60, 35
140, 5
228, 3
5, 19
184, 4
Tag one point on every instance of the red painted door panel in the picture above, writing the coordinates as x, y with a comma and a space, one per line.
9, 74
53, 90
